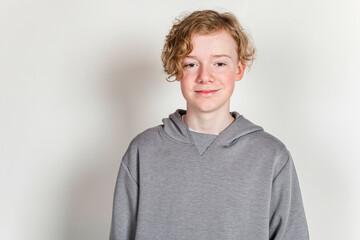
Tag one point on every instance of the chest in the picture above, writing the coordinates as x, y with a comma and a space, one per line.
181, 174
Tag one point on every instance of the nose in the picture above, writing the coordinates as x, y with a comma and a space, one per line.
205, 75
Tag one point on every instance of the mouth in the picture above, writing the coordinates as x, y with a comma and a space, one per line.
206, 92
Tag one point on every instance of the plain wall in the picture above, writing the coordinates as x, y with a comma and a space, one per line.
80, 79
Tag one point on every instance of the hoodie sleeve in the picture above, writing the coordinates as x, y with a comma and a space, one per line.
125, 205
287, 216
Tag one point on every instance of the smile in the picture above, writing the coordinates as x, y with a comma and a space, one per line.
206, 93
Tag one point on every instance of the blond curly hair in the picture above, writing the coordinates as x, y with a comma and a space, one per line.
178, 42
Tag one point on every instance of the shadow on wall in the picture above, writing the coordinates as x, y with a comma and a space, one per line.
127, 89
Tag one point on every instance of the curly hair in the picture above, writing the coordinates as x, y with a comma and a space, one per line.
178, 42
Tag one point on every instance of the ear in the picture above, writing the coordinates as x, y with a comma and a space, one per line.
241, 70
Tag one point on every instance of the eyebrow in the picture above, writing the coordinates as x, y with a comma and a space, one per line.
216, 56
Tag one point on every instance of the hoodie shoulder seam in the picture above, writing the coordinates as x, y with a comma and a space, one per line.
285, 152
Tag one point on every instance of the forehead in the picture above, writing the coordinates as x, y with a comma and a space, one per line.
219, 42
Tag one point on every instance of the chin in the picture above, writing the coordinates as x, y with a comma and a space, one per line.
207, 109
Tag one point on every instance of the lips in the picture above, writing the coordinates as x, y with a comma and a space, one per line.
206, 93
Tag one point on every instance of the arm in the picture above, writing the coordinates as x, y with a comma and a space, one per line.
287, 216
124, 215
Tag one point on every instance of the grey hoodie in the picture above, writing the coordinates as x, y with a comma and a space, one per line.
243, 186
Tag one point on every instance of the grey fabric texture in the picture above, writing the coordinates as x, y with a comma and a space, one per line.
240, 184
202, 140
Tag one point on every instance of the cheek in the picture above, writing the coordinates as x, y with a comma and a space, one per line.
229, 82
185, 87
230, 87
228, 78
183, 84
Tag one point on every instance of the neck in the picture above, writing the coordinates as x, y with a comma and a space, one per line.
209, 123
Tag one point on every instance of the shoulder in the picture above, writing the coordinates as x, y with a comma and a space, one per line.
254, 134
276, 147
143, 140
268, 141
146, 137
141, 143
268, 148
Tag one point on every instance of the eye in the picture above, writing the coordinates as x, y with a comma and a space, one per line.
190, 65
220, 64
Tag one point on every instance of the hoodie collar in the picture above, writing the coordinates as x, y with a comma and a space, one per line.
176, 128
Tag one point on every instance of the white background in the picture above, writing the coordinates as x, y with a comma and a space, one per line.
79, 79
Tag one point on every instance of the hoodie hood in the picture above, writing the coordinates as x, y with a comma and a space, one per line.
176, 128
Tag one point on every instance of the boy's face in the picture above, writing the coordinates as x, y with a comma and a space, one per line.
210, 72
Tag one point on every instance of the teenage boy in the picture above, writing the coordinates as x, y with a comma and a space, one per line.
206, 172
